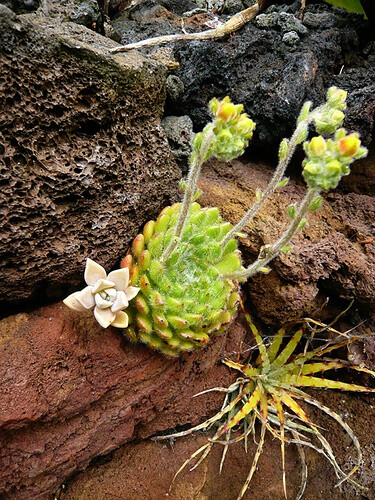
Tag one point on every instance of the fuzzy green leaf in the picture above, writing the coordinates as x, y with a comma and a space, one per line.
229, 264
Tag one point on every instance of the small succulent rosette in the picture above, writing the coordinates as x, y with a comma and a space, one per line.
107, 295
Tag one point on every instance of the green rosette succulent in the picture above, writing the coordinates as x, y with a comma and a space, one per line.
186, 299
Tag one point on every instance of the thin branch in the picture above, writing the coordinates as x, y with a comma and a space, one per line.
199, 158
235, 23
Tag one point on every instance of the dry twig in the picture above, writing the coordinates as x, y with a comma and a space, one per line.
231, 26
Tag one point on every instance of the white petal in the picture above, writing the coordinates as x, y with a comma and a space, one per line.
131, 292
120, 277
102, 303
121, 302
86, 298
72, 302
112, 293
121, 320
101, 285
104, 316
93, 272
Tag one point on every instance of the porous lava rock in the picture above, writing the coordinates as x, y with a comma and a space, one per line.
272, 78
72, 391
272, 65
21, 6
334, 256
84, 161
89, 13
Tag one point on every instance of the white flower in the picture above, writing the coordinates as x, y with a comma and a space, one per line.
109, 294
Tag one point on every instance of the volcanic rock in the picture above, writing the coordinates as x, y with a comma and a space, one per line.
81, 150
72, 391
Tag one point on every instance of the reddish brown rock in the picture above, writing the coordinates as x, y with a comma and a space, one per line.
83, 159
72, 391
330, 257
334, 256
146, 469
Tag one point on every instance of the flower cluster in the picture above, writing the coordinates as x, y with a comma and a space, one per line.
328, 160
332, 116
231, 128
109, 295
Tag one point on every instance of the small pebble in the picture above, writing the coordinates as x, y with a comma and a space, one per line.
291, 39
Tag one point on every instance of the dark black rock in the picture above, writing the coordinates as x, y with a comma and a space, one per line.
273, 65
88, 14
179, 131
175, 90
233, 6
319, 21
259, 67
21, 6
134, 31
361, 99
177, 6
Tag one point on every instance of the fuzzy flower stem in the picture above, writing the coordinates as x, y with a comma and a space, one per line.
199, 158
275, 249
277, 177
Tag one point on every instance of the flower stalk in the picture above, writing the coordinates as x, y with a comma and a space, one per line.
225, 138
328, 115
269, 253
197, 161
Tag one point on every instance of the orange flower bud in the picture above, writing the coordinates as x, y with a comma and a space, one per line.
349, 145
226, 111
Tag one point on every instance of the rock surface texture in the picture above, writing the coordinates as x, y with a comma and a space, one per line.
272, 78
272, 65
81, 150
330, 258
84, 163
72, 391
146, 467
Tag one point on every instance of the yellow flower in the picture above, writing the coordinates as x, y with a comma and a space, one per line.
317, 146
227, 110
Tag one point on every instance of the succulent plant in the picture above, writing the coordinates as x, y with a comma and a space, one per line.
185, 267
269, 389
187, 298
187, 264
